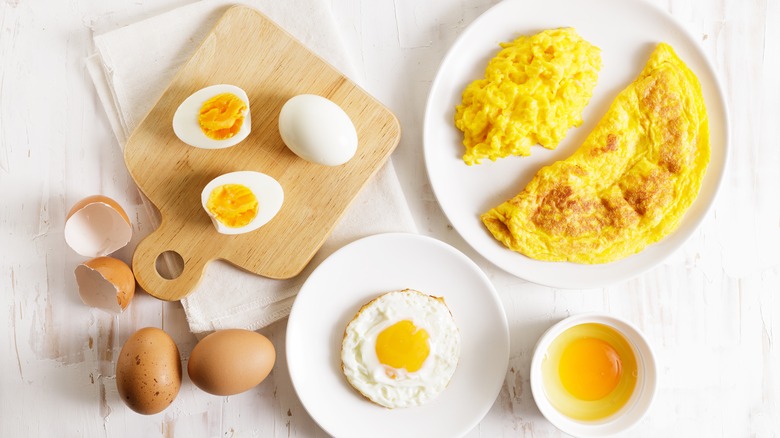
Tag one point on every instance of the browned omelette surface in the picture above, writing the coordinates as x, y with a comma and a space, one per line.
630, 182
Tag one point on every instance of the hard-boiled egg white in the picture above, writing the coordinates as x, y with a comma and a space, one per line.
97, 226
401, 349
239, 202
214, 117
318, 130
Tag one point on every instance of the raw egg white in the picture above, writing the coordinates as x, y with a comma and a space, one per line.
401, 349
239, 202
318, 130
214, 117
589, 372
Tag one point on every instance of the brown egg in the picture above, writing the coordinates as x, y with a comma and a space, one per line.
148, 371
231, 361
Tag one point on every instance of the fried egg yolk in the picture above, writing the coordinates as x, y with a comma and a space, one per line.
402, 345
234, 205
221, 116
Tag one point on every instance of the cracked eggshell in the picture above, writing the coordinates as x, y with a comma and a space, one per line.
97, 226
106, 283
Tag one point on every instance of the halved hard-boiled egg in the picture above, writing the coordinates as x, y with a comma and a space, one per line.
243, 201
97, 226
214, 117
401, 349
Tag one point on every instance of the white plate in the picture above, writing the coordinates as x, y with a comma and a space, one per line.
356, 274
627, 31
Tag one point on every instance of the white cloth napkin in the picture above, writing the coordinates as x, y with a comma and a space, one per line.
131, 69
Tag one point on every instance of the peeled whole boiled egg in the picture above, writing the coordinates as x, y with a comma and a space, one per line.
106, 283
214, 117
97, 226
318, 130
243, 201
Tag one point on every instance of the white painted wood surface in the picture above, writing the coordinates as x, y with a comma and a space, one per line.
712, 310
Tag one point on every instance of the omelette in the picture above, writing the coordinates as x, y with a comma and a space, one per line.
533, 92
630, 182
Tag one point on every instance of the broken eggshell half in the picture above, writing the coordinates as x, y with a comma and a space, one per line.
97, 226
106, 283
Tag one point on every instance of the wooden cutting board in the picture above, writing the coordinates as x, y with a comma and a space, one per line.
248, 50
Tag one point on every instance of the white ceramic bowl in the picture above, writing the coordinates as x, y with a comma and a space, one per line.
628, 415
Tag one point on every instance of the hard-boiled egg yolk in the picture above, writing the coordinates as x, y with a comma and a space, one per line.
221, 116
590, 368
233, 204
403, 345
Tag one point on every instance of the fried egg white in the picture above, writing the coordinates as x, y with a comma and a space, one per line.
401, 349
628, 185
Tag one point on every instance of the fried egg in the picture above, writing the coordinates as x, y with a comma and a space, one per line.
628, 185
533, 92
401, 349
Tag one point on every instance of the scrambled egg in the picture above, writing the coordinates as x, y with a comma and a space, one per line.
630, 182
534, 90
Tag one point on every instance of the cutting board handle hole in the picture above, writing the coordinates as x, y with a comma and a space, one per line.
169, 264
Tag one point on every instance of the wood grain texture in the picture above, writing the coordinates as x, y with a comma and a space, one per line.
250, 51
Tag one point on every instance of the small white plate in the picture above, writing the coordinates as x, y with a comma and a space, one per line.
358, 273
627, 31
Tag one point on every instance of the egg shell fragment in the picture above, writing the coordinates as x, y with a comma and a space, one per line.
269, 193
97, 226
317, 130
106, 283
185, 119
148, 371
231, 361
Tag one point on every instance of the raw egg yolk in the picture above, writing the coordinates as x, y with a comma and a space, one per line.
403, 345
233, 205
221, 116
590, 369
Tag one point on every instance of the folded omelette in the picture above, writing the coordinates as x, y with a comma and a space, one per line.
630, 182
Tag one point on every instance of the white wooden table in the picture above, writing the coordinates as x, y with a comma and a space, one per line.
712, 310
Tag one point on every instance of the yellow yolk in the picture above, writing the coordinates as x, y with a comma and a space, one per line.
589, 372
590, 369
221, 116
233, 205
403, 345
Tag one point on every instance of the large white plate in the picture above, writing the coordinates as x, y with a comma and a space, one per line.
627, 31
356, 274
